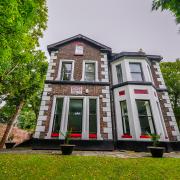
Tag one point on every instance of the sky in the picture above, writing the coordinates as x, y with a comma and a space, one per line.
123, 25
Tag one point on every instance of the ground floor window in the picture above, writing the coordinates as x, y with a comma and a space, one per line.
92, 116
57, 116
80, 115
145, 117
125, 119
75, 115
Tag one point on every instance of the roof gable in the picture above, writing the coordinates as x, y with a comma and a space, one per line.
55, 46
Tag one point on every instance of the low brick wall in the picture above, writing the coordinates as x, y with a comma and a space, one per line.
19, 134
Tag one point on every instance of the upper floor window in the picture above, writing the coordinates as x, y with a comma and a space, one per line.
89, 72
119, 73
79, 50
136, 71
66, 71
145, 117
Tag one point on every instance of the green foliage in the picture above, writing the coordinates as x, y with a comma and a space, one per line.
171, 74
21, 25
155, 139
38, 166
172, 5
27, 119
22, 65
67, 136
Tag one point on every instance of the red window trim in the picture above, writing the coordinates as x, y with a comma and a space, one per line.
75, 135
121, 93
55, 134
140, 91
145, 136
93, 136
126, 136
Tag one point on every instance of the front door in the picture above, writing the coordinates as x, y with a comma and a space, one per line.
75, 115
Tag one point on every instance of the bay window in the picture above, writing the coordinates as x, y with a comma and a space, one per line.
136, 71
119, 73
145, 117
125, 119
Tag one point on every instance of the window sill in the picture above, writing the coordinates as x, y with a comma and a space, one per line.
55, 134
93, 136
145, 137
126, 136
76, 135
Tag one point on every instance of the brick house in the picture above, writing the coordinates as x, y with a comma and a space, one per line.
107, 99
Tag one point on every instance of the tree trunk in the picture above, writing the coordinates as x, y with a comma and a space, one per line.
11, 123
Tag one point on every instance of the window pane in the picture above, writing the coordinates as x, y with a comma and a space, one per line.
135, 67
136, 77
92, 116
75, 115
125, 120
66, 71
119, 73
90, 71
57, 115
145, 117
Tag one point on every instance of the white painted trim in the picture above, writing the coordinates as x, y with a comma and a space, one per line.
60, 68
96, 69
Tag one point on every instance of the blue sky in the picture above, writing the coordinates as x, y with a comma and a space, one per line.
123, 25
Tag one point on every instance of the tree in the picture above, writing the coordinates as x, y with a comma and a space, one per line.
171, 74
22, 66
172, 5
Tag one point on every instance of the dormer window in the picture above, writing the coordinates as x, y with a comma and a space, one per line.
66, 71
89, 72
136, 71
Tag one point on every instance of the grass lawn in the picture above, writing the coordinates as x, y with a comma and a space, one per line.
31, 166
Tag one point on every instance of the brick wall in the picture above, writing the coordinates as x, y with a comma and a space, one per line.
165, 104
20, 135
68, 52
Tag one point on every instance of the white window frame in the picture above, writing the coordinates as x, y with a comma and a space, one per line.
65, 113
96, 70
60, 69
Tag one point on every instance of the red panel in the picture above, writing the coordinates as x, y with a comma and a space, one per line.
140, 91
55, 134
121, 93
126, 136
145, 136
93, 136
75, 135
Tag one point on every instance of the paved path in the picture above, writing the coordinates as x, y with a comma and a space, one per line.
118, 154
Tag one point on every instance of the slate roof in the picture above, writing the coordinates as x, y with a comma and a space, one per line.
136, 54
55, 46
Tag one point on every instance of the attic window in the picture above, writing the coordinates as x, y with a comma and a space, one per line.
79, 49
